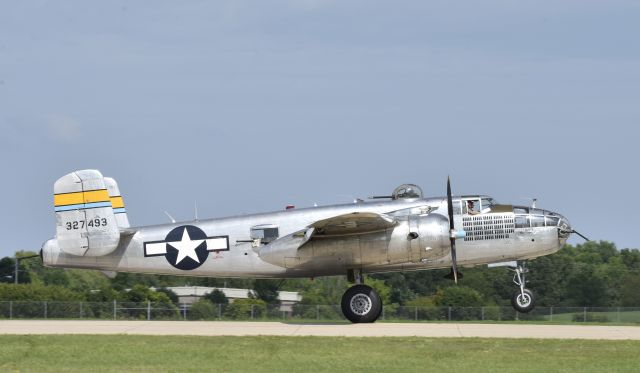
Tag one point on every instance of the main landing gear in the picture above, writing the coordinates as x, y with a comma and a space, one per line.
360, 303
522, 300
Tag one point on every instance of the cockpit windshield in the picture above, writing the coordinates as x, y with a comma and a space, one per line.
487, 203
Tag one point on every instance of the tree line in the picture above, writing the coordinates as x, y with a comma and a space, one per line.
594, 274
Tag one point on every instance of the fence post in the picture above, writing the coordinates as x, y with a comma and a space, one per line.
114, 309
184, 311
317, 312
584, 314
219, 310
482, 311
618, 314
449, 313
383, 316
415, 313
148, 310
551, 313
10, 310
45, 309
252, 312
80, 309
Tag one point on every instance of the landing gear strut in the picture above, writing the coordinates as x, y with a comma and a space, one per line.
522, 300
360, 303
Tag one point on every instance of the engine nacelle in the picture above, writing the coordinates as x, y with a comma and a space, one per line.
414, 239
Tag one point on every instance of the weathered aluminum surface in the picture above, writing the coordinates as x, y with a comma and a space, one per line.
297, 253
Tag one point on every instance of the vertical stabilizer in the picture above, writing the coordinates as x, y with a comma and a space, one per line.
117, 203
86, 223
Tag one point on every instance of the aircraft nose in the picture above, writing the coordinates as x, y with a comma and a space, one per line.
564, 227
564, 224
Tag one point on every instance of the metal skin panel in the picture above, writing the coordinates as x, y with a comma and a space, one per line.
117, 203
86, 225
292, 256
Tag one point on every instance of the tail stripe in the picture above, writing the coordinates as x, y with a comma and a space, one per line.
76, 198
82, 200
117, 202
83, 206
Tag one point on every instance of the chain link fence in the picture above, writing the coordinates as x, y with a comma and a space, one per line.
299, 312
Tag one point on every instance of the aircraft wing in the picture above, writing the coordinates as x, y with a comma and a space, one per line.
353, 223
342, 225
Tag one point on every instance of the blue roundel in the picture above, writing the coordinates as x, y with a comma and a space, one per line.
186, 247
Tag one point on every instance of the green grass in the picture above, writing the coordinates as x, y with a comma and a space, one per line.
90, 353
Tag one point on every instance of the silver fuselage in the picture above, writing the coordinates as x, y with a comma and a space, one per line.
490, 237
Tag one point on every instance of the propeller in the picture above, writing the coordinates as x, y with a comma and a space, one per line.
452, 234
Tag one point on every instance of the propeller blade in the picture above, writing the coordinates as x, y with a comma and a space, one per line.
454, 264
449, 203
578, 233
452, 239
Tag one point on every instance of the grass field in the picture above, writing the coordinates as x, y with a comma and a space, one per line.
91, 353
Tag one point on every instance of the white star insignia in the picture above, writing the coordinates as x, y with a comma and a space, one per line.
186, 247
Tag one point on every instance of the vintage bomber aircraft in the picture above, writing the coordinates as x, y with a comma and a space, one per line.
400, 232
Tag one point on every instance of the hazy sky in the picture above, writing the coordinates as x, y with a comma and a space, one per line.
246, 106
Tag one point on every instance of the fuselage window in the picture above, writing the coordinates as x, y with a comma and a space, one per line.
457, 210
552, 221
522, 221
266, 234
537, 221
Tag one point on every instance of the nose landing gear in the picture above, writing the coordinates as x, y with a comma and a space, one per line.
523, 299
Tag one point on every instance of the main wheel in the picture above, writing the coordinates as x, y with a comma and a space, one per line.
360, 304
523, 302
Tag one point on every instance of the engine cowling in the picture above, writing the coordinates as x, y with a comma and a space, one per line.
413, 239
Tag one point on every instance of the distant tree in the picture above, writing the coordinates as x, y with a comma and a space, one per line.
267, 290
7, 269
216, 297
203, 309
630, 290
586, 287
37, 292
243, 309
170, 294
458, 296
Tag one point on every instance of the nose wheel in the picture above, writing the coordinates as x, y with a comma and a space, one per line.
522, 300
361, 304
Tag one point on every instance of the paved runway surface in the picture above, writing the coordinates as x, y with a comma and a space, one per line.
206, 328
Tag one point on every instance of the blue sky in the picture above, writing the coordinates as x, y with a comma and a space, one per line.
246, 106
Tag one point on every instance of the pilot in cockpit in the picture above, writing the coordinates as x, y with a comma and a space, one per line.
470, 208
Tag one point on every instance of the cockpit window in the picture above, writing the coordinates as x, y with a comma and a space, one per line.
405, 191
487, 203
471, 206
520, 210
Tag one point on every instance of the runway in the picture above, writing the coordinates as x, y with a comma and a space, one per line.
231, 328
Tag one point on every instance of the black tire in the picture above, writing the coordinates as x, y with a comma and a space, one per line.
361, 304
523, 304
